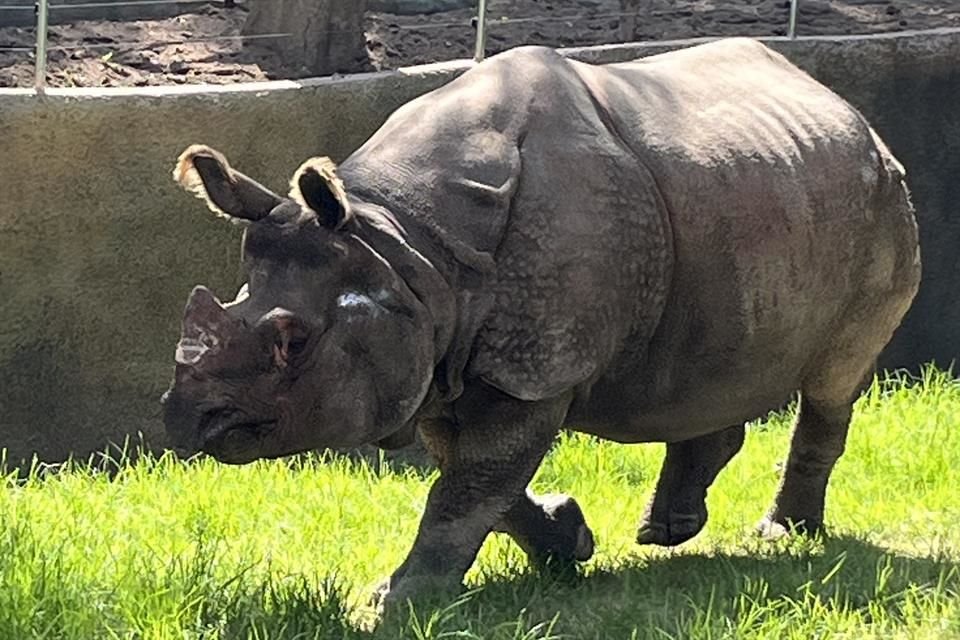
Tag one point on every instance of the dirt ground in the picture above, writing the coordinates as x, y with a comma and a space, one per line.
202, 46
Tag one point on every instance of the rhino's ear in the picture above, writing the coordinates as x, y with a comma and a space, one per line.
229, 193
317, 186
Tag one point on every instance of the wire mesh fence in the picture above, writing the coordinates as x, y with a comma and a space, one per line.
205, 40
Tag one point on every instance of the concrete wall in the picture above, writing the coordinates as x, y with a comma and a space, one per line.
98, 248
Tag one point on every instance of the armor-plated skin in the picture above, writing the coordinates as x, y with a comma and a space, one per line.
650, 251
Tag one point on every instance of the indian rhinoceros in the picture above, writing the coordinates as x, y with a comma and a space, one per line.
653, 251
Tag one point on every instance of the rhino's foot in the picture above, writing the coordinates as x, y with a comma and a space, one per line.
551, 529
395, 594
575, 539
674, 529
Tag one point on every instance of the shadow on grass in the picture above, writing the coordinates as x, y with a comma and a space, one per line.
670, 596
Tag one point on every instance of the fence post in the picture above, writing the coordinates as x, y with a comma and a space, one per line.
481, 47
40, 64
792, 29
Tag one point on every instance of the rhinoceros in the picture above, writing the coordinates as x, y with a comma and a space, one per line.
652, 251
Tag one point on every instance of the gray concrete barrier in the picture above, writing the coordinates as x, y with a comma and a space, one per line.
98, 248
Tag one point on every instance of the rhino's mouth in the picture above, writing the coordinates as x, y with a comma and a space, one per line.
217, 424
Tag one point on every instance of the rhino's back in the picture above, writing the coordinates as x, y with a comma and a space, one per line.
718, 104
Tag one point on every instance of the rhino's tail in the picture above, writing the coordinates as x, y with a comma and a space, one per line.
891, 168
893, 194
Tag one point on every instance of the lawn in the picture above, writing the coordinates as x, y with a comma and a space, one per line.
290, 549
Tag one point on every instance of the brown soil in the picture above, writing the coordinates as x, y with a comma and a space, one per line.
202, 47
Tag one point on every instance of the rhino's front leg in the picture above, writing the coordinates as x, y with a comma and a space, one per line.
488, 452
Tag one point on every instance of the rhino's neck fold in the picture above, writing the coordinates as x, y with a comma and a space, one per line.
450, 280
381, 231
454, 257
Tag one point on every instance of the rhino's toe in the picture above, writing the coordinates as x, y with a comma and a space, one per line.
585, 544
679, 528
653, 533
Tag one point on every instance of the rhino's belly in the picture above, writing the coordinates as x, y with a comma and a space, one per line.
721, 356
707, 411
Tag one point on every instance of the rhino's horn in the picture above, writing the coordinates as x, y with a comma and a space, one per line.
206, 328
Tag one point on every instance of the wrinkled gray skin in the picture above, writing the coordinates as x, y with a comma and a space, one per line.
651, 251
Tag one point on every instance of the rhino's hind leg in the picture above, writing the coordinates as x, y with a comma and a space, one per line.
678, 510
818, 441
835, 381
550, 529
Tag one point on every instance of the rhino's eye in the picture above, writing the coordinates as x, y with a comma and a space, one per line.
297, 344
292, 338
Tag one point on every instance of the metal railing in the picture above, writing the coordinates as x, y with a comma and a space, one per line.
480, 48
42, 9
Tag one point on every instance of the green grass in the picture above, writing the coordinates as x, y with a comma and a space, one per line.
290, 549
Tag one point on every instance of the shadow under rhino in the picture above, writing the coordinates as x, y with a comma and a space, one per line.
844, 573
668, 595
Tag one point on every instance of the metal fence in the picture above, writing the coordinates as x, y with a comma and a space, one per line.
43, 9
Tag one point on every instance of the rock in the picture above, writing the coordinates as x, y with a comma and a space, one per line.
735, 17
145, 60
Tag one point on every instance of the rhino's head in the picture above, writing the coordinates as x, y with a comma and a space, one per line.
325, 346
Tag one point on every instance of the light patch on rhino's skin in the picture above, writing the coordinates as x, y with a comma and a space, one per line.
191, 350
354, 300
357, 300
381, 295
